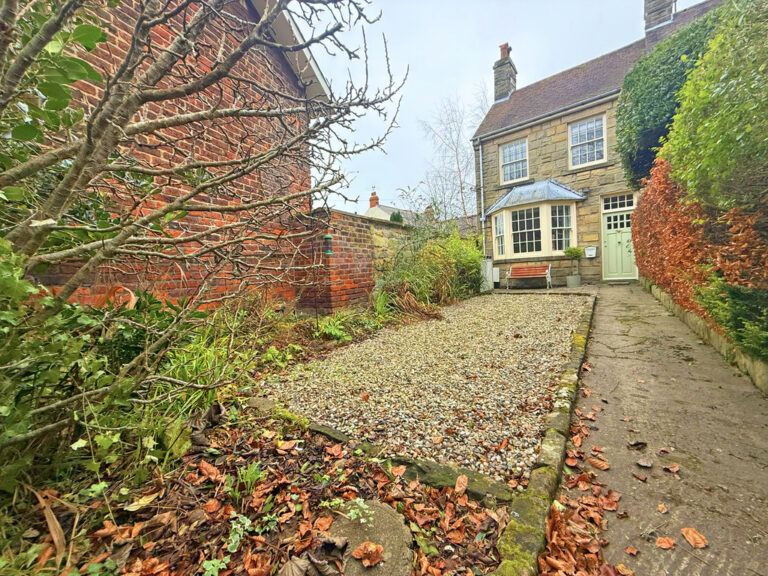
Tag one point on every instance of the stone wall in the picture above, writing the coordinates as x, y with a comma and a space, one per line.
756, 369
548, 158
362, 250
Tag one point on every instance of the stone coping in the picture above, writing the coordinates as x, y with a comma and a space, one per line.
524, 537
756, 369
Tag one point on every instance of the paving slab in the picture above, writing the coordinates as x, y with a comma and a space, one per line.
384, 527
658, 383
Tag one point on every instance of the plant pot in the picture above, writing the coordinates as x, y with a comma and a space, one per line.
573, 281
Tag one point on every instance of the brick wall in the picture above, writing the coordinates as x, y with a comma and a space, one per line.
548, 158
362, 249
220, 140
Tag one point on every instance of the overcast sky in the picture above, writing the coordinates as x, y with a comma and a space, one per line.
448, 48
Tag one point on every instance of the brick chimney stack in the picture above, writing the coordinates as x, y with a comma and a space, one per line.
658, 13
374, 201
504, 75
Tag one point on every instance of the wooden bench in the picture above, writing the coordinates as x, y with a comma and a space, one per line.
532, 271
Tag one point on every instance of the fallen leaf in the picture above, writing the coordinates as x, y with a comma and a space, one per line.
323, 524
640, 477
57, 534
398, 471
672, 468
623, 570
335, 450
141, 502
211, 472
365, 396
662, 508
665, 543
212, 506
571, 462
437, 439
368, 553
694, 537
586, 367
461, 485
631, 551
599, 464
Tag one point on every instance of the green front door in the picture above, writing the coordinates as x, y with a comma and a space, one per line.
618, 253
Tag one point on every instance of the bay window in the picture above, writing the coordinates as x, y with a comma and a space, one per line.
561, 228
526, 231
498, 225
534, 231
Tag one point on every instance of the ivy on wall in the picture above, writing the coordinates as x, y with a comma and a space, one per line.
648, 97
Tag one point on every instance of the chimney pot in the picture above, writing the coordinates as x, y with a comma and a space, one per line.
374, 200
504, 50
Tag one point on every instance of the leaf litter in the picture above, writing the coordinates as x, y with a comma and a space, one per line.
260, 500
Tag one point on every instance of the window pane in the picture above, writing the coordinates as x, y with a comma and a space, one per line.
587, 143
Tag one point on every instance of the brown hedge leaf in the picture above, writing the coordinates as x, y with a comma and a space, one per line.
694, 537
599, 464
665, 543
369, 553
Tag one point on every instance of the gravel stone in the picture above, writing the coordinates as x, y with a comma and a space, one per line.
448, 390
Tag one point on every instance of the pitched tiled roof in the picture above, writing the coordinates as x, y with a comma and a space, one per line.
408, 216
542, 191
591, 80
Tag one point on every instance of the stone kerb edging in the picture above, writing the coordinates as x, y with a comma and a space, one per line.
524, 537
756, 369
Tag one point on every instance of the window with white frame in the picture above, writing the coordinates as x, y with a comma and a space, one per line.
587, 141
514, 161
498, 224
618, 202
526, 231
561, 228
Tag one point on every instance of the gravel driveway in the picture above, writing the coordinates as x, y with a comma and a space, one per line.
470, 390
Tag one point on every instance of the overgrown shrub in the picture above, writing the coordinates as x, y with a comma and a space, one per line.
648, 97
718, 145
742, 312
434, 268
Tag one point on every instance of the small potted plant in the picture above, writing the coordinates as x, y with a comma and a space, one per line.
574, 253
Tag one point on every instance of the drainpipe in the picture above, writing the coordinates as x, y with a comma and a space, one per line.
482, 195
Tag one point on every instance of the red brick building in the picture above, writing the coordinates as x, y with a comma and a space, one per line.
264, 77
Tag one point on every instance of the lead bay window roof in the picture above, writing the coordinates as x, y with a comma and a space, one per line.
543, 191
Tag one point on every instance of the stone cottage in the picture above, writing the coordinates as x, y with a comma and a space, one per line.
547, 170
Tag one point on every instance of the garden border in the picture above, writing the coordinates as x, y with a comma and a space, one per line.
523, 539
756, 369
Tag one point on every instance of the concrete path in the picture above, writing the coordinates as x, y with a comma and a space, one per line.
657, 383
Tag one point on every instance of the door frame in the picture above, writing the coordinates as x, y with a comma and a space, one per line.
603, 212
